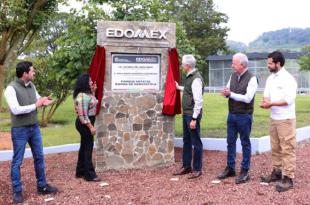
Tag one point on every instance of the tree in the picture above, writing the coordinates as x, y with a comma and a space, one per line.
20, 22
203, 25
304, 61
59, 68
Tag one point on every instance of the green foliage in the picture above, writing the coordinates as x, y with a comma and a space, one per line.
20, 22
304, 61
44, 43
204, 31
57, 71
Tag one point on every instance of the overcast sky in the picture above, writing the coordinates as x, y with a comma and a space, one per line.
250, 18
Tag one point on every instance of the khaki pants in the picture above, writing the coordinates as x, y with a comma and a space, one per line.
283, 144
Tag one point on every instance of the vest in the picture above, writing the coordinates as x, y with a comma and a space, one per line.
240, 87
26, 95
187, 99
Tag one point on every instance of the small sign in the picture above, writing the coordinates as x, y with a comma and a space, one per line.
135, 72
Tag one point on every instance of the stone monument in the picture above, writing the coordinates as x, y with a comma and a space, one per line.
131, 130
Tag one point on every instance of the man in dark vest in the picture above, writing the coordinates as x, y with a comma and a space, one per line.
240, 91
192, 102
23, 101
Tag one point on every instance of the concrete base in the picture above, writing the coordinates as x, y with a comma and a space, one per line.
259, 145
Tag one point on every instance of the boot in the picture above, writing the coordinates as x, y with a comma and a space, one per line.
228, 172
276, 175
243, 177
285, 184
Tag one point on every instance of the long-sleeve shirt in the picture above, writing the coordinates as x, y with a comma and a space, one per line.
15, 107
281, 86
85, 105
197, 94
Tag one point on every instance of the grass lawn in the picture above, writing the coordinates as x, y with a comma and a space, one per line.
62, 129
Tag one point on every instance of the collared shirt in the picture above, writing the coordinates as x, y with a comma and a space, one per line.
281, 86
197, 94
85, 106
15, 107
250, 91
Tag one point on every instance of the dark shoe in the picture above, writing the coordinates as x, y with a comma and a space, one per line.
18, 197
243, 177
79, 176
276, 175
195, 175
285, 184
228, 172
183, 171
47, 189
96, 179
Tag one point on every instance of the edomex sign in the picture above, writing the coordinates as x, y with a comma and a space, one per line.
145, 34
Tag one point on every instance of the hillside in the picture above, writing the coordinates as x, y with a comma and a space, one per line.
288, 39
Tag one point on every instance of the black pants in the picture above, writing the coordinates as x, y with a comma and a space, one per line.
85, 167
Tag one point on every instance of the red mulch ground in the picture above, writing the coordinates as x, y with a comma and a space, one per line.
5, 141
153, 185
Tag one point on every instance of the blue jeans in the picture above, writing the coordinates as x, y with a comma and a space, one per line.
242, 124
20, 137
191, 137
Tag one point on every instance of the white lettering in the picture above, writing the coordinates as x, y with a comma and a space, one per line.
110, 32
130, 33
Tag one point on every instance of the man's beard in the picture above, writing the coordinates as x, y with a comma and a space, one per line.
275, 70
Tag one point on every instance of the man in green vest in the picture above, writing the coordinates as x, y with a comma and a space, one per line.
23, 101
192, 102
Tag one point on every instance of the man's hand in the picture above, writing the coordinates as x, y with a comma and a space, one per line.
192, 124
225, 92
40, 102
48, 100
265, 104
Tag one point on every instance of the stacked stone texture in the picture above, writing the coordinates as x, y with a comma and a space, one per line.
132, 132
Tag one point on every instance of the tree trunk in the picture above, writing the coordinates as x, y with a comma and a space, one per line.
2, 77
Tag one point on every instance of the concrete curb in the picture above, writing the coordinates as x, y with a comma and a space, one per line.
259, 145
